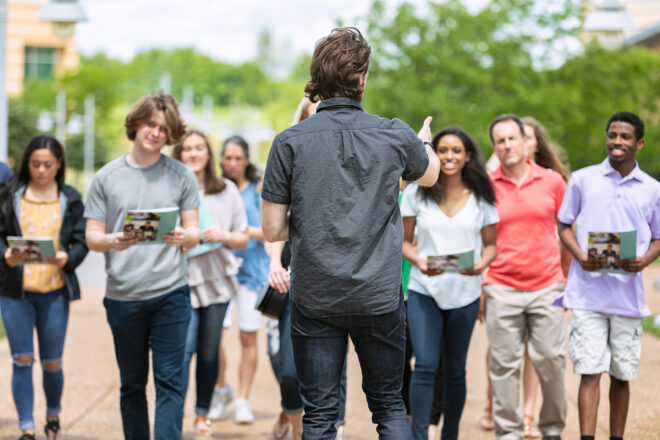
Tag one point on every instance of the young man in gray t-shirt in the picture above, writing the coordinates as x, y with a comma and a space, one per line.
147, 295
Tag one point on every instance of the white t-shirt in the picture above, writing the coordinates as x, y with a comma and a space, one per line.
438, 234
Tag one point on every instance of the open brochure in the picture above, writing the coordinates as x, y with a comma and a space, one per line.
205, 222
36, 248
452, 263
150, 224
611, 248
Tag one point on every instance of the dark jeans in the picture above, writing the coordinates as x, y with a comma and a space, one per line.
160, 323
319, 348
431, 330
438, 396
49, 314
203, 338
407, 370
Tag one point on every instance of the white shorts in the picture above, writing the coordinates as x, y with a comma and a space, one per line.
249, 318
600, 343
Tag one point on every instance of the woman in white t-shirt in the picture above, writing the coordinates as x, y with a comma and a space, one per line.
455, 216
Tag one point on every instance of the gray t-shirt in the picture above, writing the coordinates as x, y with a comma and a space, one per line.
141, 272
339, 170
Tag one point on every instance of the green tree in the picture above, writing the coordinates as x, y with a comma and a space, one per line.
582, 95
466, 69
458, 67
21, 127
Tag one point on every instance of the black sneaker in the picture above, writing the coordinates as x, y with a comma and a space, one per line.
52, 428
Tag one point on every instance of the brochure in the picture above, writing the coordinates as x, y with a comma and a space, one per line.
37, 248
205, 222
150, 224
611, 248
452, 263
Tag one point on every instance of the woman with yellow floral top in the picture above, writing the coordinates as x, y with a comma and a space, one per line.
35, 202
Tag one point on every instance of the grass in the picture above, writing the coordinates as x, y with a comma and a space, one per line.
2, 330
647, 325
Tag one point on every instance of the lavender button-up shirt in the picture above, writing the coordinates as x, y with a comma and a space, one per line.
598, 199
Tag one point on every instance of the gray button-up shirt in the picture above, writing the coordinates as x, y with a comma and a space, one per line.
339, 170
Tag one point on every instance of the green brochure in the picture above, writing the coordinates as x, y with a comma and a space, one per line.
610, 248
37, 248
452, 263
149, 225
205, 222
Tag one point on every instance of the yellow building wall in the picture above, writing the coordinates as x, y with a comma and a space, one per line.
23, 30
645, 14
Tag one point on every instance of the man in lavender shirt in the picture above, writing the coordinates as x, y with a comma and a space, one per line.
605, 330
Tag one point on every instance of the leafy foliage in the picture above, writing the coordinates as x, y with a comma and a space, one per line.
441, 60
21, 127
466, 69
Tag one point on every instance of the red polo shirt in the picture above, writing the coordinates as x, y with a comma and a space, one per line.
527, 248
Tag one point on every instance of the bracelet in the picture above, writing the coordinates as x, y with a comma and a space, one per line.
428, 143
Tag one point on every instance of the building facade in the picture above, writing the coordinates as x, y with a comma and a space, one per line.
33, 48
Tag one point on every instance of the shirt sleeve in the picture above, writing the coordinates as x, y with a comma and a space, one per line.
277, 178
416, 158
560, 190
655, 218
96, 206
409, 201
190, 192
490, 214
570, 207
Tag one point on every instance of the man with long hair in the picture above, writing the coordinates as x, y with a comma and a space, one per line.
147, 296
339, 172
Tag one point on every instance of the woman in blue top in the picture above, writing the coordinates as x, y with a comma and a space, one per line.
454, 216
253, 273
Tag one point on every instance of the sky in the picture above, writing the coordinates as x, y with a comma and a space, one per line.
227, 30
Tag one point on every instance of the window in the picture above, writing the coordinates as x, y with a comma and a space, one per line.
39, 62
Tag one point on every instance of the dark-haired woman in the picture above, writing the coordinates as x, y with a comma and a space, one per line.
212, 274
36, 202
455, 215
253, 273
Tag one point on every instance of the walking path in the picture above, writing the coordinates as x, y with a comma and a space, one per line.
91, 390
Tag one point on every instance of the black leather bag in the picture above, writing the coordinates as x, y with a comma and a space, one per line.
270, 302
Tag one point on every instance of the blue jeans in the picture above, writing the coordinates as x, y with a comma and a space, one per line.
49, 313
432, 330
204, 332
319, 348
160, 323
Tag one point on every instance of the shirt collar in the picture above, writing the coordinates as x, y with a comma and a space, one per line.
338, 102
534, 173
607, 169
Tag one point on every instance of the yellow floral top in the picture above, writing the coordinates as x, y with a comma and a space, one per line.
41, 219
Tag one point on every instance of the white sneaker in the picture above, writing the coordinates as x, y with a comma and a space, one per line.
243, 412
219, 400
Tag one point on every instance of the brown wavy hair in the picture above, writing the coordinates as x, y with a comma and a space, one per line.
212, 183
146, 106
339, 60
548, 154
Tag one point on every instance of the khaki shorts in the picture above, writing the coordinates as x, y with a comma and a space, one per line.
601, 343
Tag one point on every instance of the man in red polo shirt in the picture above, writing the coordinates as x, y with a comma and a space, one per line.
522, 283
